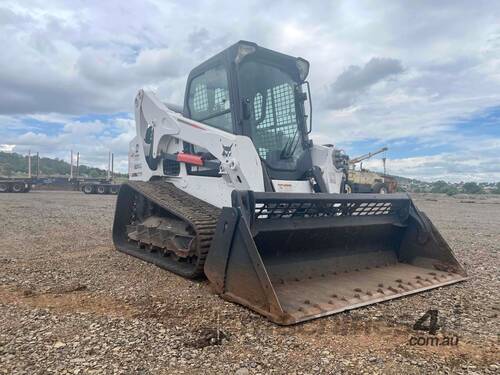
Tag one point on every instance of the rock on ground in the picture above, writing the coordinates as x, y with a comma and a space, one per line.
71, 304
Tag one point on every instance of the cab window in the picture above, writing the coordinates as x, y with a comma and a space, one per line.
209, 101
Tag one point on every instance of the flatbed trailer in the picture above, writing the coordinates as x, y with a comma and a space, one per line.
99, 188
15, 185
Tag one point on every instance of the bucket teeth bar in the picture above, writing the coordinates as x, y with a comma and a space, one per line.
295, 257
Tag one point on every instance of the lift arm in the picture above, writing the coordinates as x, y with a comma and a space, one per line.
367, 156
237, 154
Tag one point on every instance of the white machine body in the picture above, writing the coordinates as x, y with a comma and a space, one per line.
240, 165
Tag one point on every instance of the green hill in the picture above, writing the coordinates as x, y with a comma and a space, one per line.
16, 165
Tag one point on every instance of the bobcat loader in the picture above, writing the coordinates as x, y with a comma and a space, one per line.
230, 187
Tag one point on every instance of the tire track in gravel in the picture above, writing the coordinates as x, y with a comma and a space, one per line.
68, 301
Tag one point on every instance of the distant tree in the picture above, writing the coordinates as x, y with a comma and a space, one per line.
452, 190
13, 163
472, 188
439, 187
8, 170
496, 190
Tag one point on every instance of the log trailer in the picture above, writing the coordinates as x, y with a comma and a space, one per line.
15, 185
99, 187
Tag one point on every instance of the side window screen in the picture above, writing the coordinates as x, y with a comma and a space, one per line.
200, 101
278, 124
209, 99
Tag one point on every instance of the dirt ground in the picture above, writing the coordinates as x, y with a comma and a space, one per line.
70, 303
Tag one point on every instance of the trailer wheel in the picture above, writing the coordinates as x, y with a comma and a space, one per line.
347, 188
4, 187
88, 189
380, 188
18, 187
101, 189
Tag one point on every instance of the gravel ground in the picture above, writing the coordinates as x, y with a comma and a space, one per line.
70, 303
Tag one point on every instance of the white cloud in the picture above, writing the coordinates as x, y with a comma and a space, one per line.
7, 148
93, 139
444, 166
459, 166
355, 81
60, 59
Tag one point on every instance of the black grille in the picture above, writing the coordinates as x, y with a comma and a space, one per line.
171, 167
270, 210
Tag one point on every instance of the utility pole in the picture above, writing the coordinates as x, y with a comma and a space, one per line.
109, 165
112, 165
77, 164
71, 167
29, 164
37, 164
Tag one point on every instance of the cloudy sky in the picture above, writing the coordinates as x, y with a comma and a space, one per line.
422, 78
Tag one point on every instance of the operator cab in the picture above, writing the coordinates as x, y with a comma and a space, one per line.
253, 91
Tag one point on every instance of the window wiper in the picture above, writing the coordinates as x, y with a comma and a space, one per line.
287, 150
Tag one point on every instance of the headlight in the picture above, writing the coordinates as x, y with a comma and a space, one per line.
243, 50
303, 67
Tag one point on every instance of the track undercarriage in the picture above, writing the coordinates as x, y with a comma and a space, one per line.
159, 223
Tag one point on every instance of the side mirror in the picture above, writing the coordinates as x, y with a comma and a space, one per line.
148, 138
302, 97
310, 107
245, 109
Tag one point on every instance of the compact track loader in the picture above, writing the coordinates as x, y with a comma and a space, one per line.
230, 187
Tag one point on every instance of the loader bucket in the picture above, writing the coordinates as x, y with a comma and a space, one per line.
295, 257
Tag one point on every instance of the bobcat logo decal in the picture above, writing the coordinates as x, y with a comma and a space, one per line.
227, 150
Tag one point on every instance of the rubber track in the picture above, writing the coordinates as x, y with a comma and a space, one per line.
201, 216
